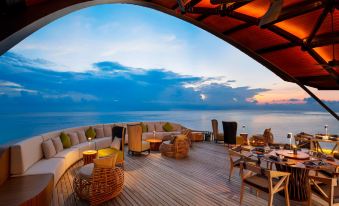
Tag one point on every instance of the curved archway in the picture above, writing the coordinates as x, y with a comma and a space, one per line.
37, 15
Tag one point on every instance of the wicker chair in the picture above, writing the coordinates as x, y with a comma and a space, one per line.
262, 139
323, 187
230, 132
98, 184
178, 149
135, 142
217, 136
188, 134
267, 181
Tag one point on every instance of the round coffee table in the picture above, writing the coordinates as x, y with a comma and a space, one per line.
89, 156
154, 144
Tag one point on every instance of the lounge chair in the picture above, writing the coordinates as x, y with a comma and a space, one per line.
135, 142
177, 148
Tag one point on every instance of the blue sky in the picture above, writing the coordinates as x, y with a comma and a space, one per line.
144, 58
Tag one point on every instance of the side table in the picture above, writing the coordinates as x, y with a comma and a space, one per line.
89, 156
154, 144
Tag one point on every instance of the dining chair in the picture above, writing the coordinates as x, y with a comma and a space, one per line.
236, 157
216, 135
264, 180
230, 132
325, 188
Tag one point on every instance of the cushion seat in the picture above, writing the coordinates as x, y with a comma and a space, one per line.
86, 171
55, 166
109, 151
103, 142
70, 155
260, 182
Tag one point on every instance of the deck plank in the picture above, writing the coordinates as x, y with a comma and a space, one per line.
200, 179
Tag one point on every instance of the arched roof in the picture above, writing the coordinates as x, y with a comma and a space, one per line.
298, 44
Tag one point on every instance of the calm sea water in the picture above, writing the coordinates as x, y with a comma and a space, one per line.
15, 127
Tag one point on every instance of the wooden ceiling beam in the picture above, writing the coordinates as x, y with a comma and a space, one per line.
237, 28
275, 48
325, 39
297, 10
317, 25
191, 4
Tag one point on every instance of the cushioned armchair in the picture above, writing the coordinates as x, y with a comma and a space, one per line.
177, 148
100, 181
217, 136
262, 139
117, 132
135, 142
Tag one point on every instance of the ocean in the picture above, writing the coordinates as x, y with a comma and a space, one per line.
15, 127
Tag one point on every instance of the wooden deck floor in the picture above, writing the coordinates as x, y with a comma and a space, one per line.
201, 179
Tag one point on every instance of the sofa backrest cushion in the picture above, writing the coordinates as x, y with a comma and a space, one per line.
25, 153
158, 127
66, 140
74, 138
108, 130
99, 131
176, 127
50, 135
82, 136
150, 126
57, 144
48, 149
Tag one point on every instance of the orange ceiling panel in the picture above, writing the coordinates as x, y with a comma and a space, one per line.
300, 26
256, 38
295, 62
326, 52
326, 26
255, 9
220, 23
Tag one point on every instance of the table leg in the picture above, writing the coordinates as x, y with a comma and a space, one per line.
297, 186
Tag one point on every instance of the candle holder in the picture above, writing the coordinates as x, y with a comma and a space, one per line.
326, 130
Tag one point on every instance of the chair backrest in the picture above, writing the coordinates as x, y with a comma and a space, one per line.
230, 132
215, 128
328, 194
134, 137
119, 132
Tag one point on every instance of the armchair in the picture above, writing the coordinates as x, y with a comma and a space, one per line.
135, 142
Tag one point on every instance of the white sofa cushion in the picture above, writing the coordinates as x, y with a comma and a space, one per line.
108, 130
51, 135
48, 149
158, 127
74, 138
55, 166
70, 155
57, 144
104, 142
25, 153
150, 126
82, 136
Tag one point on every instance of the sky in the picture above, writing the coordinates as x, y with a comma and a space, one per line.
134, 57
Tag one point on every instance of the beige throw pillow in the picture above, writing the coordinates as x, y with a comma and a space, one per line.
116, 143
99, 132
82, 136
48, 149
106, 162
57, 144
107, 130
74, 138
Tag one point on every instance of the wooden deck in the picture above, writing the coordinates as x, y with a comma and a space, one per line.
201, 179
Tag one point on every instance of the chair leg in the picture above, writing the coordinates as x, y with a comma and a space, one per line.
231, 172
242, 192
287, 196
270, 199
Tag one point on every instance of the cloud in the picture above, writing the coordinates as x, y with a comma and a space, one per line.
113, 86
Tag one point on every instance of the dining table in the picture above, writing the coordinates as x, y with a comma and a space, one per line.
299, 164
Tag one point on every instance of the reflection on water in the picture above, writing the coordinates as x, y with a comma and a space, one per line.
18, 126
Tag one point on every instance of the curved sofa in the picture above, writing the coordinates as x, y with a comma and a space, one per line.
27, 156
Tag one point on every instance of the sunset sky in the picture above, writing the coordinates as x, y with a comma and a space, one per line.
142, 39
